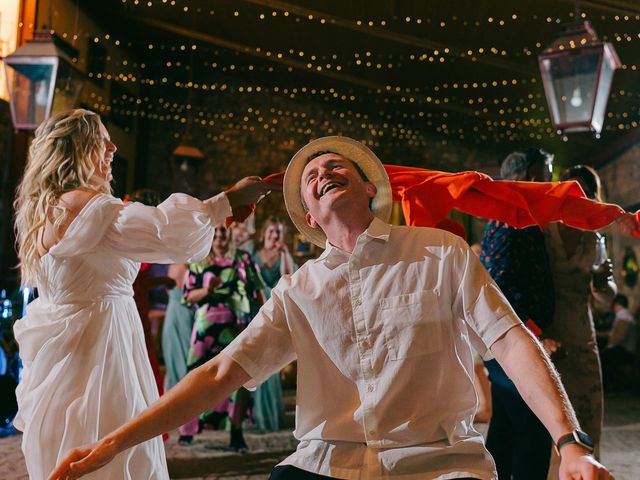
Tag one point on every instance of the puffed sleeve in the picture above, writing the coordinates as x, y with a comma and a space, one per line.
179, 230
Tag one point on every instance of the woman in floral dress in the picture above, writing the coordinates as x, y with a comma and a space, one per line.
226, 291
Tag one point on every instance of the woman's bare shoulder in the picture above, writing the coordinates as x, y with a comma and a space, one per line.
75, 200
69, 205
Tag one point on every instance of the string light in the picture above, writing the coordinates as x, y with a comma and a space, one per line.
497, 109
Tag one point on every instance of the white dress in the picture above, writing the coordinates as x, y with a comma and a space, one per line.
86, 370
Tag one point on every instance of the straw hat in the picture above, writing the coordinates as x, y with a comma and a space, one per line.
350, 149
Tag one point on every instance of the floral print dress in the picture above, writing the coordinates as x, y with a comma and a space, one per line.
220, 316
229, 307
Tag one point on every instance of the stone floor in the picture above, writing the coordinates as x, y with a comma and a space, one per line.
202, 461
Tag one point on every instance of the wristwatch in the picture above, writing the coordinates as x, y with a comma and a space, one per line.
577, 437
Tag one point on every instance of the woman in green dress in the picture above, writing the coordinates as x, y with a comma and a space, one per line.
176, 330
274, 260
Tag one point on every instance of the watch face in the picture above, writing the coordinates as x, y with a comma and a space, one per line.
584, 438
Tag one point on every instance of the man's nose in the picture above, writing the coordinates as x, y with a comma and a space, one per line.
326, 172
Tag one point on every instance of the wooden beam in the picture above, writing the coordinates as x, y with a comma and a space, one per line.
393, 36
247, 50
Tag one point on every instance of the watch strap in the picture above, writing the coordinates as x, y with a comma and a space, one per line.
573, 437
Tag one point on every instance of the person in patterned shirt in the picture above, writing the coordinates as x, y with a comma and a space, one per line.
517, 261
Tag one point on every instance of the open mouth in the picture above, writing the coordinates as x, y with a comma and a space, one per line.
327, 187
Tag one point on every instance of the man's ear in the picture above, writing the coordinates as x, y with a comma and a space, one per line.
371, 189
311, 221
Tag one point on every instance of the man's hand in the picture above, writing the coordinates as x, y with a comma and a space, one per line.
83, 460
577, 464
248, 191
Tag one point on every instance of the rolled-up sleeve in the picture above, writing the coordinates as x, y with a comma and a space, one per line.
479, 300
266, 345
179, 230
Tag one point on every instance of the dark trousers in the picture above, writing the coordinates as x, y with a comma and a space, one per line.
289, 472
612, 359
517, 440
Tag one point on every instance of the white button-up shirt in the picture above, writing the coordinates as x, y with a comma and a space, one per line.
385, 368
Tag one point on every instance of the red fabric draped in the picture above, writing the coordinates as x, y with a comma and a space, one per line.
427, 197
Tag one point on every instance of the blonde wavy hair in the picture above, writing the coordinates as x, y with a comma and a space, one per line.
60, 160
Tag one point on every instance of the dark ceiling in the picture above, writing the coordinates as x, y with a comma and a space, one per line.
454, 72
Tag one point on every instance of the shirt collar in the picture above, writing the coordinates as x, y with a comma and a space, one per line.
377, 229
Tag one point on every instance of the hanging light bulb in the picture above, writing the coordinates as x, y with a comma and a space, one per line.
576, 99
184, 165
42, 93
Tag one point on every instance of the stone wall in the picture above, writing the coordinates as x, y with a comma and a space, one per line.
621, 179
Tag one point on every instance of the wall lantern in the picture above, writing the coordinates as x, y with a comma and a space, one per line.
41, 79
187, 155
577, 72
185, 164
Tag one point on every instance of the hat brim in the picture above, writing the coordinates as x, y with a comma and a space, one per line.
381, 204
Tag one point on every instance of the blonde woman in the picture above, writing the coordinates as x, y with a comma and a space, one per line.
86, 370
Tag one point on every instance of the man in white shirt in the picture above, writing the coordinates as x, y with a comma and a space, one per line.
381, 325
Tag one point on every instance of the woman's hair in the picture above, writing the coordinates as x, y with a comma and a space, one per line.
272, 220
590, 178
60, 160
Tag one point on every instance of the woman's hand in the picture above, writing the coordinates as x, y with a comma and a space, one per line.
248, 191
86, 459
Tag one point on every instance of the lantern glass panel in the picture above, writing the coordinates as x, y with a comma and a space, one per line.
602, 96
68, 85
573, 79
30, 84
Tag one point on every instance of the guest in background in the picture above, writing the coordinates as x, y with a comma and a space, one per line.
243, 234
621, 347
517, 260
226, 290
274, 260
578, 285
177, 328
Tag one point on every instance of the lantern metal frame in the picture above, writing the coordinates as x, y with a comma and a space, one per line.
578, 39
45, 49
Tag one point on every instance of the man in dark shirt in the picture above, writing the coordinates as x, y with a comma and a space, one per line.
517, 260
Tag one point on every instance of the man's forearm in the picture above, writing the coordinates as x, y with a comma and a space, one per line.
524, 361
198, 391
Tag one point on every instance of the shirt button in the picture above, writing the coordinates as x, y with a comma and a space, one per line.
358, 302
370, 388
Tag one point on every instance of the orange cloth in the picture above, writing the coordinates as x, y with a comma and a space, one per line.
427, 197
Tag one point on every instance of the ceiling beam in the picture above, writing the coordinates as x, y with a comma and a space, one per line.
393, 36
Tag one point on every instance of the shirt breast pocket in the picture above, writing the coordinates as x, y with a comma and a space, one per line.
411, 324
